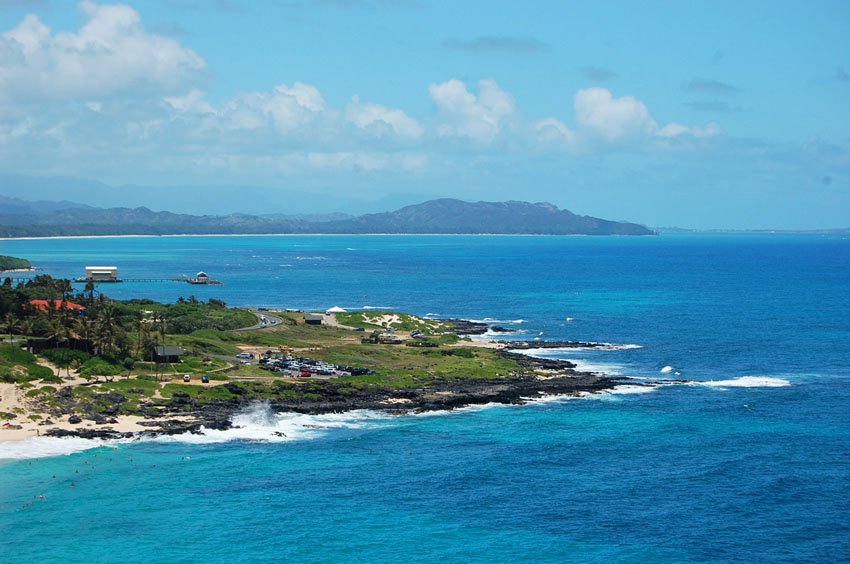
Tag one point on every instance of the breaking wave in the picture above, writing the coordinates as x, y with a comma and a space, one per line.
747, 382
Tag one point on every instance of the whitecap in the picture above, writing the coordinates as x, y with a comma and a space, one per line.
666, 370
390, 308
630, 389
489, 334
491, 320
597, 367
747, 382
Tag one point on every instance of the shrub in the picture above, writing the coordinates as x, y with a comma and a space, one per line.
463, 353
38, 372
64, 357
98, 366
16, 355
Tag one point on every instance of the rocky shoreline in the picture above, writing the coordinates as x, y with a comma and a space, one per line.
181, 415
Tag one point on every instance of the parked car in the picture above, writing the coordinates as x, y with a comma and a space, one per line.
187, 378
205, 379
245, 355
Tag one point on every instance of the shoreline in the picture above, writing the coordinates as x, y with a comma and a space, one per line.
128, 236
552, 378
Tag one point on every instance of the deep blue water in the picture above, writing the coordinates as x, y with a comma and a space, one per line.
752, 465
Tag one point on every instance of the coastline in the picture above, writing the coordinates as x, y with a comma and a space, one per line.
129, 236
541, 379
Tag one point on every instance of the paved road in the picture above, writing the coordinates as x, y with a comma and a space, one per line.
271, 321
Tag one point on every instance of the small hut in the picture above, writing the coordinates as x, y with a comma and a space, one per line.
168, 354
313, 318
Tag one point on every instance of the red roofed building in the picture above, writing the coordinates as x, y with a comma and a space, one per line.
41, 305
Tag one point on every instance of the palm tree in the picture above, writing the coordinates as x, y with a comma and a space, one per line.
106, 328
58, 329
84, 326
25, 327
90, 290
10, 322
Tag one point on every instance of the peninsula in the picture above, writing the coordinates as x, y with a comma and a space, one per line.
13, 263
73, 364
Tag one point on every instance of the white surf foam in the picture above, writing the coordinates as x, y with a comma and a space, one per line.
631, 389
666, 370
600, 347
502, 321
260, 423
747, 382
390, 308
489, 335
568, 354
41, 447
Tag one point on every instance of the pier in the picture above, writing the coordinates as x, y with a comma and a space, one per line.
109, 275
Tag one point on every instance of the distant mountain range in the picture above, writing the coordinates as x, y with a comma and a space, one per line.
201, 199
19, 218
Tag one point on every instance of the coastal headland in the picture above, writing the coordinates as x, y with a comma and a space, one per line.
91, 367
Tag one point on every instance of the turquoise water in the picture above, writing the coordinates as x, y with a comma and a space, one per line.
752, 463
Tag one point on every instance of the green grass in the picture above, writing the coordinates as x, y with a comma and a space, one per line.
137, 386
406, 322
190, 365
19, 366
15, 355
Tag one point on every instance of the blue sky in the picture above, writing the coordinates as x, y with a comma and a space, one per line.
696, 114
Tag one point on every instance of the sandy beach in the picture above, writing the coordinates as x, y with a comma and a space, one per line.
13, 400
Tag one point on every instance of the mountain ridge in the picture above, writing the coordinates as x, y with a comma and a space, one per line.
439, 216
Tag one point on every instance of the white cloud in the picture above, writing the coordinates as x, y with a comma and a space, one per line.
675, 130
193, 102
288, 108
615, 119
463, 114
110, 54
381, 120
552, 133
612, 118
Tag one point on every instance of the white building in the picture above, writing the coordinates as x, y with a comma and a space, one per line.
102, 273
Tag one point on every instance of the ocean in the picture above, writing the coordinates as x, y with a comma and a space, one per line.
749, 462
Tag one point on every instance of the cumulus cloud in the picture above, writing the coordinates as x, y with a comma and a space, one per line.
381, 121
463, 114
552, 133
616, 119
113, 88
612, 118
285, 108
111, 53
